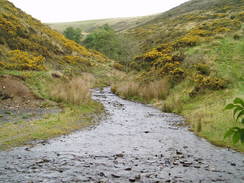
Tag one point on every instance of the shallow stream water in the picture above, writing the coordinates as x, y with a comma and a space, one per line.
133, 143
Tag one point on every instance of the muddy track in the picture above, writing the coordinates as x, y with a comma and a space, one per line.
134, 143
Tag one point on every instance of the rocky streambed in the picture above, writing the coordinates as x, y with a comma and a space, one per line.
133, 143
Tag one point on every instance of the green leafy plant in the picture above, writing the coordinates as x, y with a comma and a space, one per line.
237, 133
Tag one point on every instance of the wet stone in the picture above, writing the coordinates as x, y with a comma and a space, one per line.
233, 164
197, 166
115, 176
102, 174
27, 149
136, 178
186, 164
132, 179
178, 152
119, 155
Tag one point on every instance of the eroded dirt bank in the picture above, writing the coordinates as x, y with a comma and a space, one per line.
134, 143
19, 103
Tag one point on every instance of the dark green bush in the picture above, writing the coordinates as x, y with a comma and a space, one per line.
203, 69
236, 37
73, 34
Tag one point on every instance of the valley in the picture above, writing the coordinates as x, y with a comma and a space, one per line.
157, 98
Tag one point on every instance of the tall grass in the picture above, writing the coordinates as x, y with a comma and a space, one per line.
127, 89
173, 104
75, 91
153, 90
156, 89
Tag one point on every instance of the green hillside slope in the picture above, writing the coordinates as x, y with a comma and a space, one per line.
22, 36
191, 63
191, 15
45, 80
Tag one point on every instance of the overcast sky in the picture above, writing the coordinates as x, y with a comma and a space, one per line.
75, 10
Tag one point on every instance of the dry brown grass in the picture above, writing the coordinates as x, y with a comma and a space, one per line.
152, 90
89, 79
155, 90
75, 91
13, 87
116, 75
126, 89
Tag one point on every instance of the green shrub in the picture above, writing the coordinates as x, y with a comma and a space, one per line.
237, 133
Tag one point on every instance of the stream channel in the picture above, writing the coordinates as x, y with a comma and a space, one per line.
131, 143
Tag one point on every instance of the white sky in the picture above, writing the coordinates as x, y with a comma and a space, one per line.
75, 10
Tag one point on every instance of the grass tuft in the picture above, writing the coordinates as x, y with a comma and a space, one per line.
132, 89
76, 91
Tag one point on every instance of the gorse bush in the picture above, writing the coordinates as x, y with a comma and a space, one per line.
20, 60
38, 46
209, 82
203, 82
77, 60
